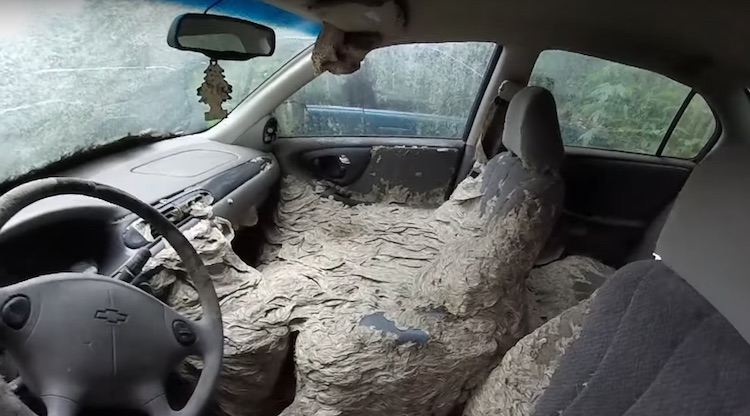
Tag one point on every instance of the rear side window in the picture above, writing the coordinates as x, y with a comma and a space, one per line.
611, 106
413, 90
692, 129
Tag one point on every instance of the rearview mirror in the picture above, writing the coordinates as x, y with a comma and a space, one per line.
221, 37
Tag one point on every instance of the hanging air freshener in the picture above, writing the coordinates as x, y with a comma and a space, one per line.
214, 91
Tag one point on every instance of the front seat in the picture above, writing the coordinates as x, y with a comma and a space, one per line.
419, 348
400, 341
663, 337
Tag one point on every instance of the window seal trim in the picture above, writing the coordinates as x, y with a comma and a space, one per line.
491, 65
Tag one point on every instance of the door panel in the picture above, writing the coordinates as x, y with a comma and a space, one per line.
376, 169
635, 117
394, 130
610, 203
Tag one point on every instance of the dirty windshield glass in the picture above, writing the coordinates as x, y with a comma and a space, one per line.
77, 74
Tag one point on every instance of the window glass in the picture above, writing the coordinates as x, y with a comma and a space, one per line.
607, 105
416, 90
77, 75
694, 128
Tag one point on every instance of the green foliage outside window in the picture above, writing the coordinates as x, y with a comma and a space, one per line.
607, 105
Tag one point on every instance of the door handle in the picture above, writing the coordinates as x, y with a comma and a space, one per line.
331, 167
342, 166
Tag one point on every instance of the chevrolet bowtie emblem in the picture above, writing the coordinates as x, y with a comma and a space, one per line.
112, 316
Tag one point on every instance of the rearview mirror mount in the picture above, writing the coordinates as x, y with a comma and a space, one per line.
221, 37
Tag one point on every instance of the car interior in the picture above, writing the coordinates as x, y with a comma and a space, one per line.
552, 241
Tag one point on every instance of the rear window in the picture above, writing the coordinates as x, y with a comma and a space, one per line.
611, 106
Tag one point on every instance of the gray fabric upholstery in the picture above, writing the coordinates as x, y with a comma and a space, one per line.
524, 373
651, 345
562, 291
532, 130
706, 239
646, 248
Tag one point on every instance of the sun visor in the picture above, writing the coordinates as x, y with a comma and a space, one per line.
706, 238
341, 52
341, 49
379, 16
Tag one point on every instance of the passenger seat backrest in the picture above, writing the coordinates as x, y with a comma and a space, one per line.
532, 130
530, 167
486, 262
706, 239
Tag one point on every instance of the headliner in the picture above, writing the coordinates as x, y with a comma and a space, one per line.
697, 42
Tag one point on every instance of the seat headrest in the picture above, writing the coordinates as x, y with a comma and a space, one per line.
532, 131
706, 238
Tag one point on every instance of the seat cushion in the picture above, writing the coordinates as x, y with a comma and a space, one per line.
558, 296
651, 345
524, 373
648, 344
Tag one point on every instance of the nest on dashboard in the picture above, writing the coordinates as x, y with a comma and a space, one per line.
383, 309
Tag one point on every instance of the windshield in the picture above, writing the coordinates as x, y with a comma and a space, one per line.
78, 74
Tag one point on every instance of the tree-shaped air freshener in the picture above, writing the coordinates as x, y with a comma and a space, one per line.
214, 91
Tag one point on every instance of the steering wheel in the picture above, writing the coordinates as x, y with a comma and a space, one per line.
88, 340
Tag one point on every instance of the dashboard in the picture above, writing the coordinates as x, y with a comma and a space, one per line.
77, 233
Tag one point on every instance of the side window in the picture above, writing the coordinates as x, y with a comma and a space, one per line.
416, 90
692, 130
607, 105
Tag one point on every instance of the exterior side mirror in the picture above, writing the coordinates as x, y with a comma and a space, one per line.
221, 37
